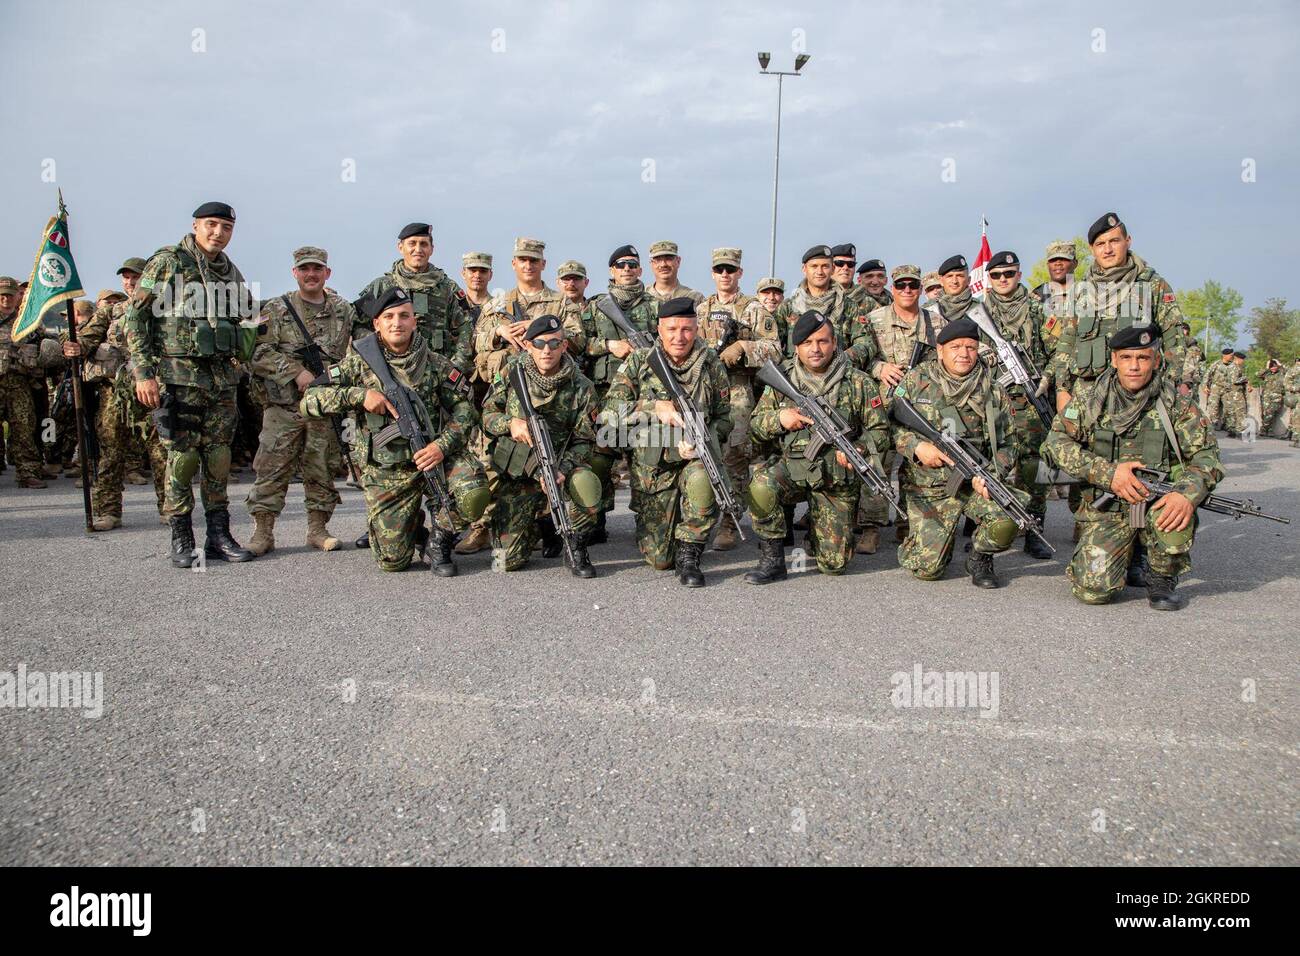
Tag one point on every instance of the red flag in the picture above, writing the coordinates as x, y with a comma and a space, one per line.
979, 274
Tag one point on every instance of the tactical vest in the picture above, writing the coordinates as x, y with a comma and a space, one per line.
604, 366
180, 334
435, 331
1092, 338
825, 471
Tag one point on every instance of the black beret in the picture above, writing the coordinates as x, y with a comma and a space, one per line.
215, 210
415, 229
1142, 336
1106, 222
952, 264
845, 249
675, 307
1227, 351
961, 329
817, 252
871, 265
541, 325
385, 300
807, 324
624, 252
1240, 355
1004, 259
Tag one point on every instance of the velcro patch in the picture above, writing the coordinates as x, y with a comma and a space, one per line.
900, 391
1169, 297
1050, 323
1071, 413
876, 402
458, 381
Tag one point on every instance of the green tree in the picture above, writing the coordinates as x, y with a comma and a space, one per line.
1216, 306
1038, 274
1276, 330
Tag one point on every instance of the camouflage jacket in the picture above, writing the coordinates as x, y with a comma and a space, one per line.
442, 386
989, 430
22, 359
492, 349
746, 312
569, 413
1218, 375
1084, 443
1291, 382
679, 291
856, 400
103, 343
598, 331
441, 311
1193, 367
894, 339
278, 359
834, 302
1053, 300
1271, 385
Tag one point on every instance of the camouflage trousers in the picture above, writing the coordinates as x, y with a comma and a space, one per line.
1270, 404
1029, 428
395, 496
1215, 406
516, 504
933, 517
684, 511
739, 450
17, 410
287, 442
202, 450
830, 511
1234, 410
119, 425
1101, 557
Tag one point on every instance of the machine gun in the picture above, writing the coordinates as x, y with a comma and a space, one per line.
548, 465
1018, 368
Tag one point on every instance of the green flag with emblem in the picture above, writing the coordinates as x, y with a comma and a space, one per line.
54, 276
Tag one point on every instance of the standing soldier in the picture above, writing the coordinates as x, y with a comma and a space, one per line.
440, 307
1133, 417
769, 292
671, 493
956, 391
1193, 366
956, 297
815, 293
1271, 394
19, 366
391, 471
296, 322
1216, 381
1019, 318
565, 399
572, 280
183, 333
1054, 294
1292, 401
476, 271
828, 482
872, 278
1234, 396
665, 263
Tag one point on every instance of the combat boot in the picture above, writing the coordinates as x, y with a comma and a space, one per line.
980, 566
1035, 546
598, 534
32, 483
788, 540
439, 550
362, 543
1136, 575
477, 539
552, 545
263, 533
725, 539
1160, 592
318, 536
688, 564
182, 540
868, 541
771, 562
219, 543
582, 567
107, 522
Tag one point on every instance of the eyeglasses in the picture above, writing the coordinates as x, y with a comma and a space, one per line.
1004, 274
549, 344
725, 269
627, 264
907, 284
843, 263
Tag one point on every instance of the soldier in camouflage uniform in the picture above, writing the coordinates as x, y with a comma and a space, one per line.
1291, 383
288, 442
665, 264
441, 308
956, 298
1132, 416
1271, 394
1018, 317
1217, 379
932, 286
769, 292
565, 399
844, 258
183, 334
19, 366
1234, 396
956, 392
571, 278
1054, 294
1193, 365
391, 475
873, 280
729, 314
671, 494
817, 292
828, 483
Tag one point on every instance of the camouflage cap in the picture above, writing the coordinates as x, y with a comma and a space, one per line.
930, 280
476, 260
905, 272
134, 264
1060, 249
727, 256
571, 267
663, 248
529, 248
769, 282
307, 254
103, 294
8, 285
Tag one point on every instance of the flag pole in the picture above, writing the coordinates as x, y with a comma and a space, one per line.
79, 409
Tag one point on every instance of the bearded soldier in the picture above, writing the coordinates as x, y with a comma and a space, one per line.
956, 392
1217, 381
565, 399
827, 482
296, 321
572, 280
1018, 316
872, 279
20, 366
816, 293
665, 264
673, 499
182, 330
391, 470
1133, 417
1271, 394
441, 309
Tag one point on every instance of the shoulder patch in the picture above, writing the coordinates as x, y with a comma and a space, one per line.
900, 391
1169, 297
876, 402
1050, 323
458, 380
1071, 412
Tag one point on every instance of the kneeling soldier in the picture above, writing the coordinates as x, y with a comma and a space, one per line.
1133, 417
795, 469
956, 393
391, 471
565, 399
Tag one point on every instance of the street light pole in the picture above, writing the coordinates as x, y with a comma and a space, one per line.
763, 60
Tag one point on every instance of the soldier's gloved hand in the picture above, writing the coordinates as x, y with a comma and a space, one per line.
519, 431
792, 419
428, 457
376, 404
1126, 485
147, 393
71, 349
1173, 512
733, 353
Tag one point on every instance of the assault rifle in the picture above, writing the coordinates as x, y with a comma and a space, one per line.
1018, 367
1158, 485
548, 465
639, 339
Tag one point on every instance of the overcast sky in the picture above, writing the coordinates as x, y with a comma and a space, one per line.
546, 119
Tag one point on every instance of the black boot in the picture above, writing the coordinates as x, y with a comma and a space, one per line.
552, 545
362, 542
219, 543
771, 562
182, 540
1160, 592
598, 535
1136, 575
968, 532
688, 564
1035, 546
439, 550
788, 541
980, 566
581, 561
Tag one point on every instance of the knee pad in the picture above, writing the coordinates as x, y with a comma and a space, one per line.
473, 502
1001, 532
1028, 472
698, 490
1174, 542
584, 487
186, 463
218, 462
763, 498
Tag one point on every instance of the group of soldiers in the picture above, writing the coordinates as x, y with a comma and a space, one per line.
660, 384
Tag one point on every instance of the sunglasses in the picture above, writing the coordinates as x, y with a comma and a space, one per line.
843, 263
724, 269
547, 344
1004, 274
907, 284
627, 264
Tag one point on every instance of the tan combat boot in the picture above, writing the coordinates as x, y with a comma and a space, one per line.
263, 534
868, 541
477, 539
318, 536
725, 539
107, 522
